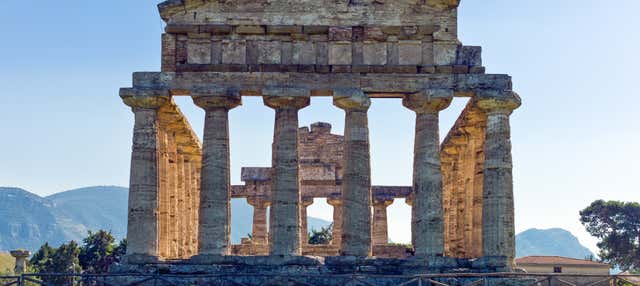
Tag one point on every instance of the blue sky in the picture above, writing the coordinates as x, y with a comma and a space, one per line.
575, 63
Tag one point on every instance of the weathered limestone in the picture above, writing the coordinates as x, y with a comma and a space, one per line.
427, 220
356, 181
21, 261
337, 221
142, 228
304, 231
215, 195
259, 233
284, 217
380, 234
498, 233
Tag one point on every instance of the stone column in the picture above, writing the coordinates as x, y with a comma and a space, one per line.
380, 228
215, 186
142, 227
21, 261
284, 217
427, 221
336, 233
356, 180
259, 234
304, 229
498, 232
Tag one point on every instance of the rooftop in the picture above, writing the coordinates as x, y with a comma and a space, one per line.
558, 260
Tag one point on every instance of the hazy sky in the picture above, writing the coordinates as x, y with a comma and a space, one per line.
575, 64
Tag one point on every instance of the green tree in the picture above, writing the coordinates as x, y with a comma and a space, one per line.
617, 225
97, 252
63, 259
322, 236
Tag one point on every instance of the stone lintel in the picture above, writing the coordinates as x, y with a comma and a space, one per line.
375, 85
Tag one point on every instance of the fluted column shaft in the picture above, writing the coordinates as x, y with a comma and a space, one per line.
142, 228
380, 226
427, 220
356, 180
498, 226
215, 187
259, 232
336, 233
284, 216
304, 228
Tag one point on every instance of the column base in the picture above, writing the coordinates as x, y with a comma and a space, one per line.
493, 263
138, 258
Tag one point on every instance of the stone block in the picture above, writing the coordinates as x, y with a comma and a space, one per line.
460, 69
269, 52
477, 70
216, 29
311, 30
199, 51
304, 53
341, 69
444, 69
374, 53
409, 52
374, 34
250, 30
168, 52
216, 52
357, 34
340, 53
469, 56
286, 53
356, 53
340, 33
284, 30
322, 53
181, 49
360, 68
444, 53
427, 53
234, 52
392, 53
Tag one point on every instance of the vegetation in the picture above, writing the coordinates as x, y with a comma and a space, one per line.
96, 254
6, 263
617, 225
322, 236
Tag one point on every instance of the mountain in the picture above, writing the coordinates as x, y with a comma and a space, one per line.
28, 221
550, 242
93, 208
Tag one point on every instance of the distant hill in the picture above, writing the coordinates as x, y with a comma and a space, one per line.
550, 242
28, 221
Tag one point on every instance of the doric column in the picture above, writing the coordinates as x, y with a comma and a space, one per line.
259, 233
196, 168
498, 232
142, 227
356, 180
336, 233
380, 228
215, 186
284, 217
427, 220
304, 229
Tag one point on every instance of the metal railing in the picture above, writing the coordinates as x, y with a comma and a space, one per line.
461, 279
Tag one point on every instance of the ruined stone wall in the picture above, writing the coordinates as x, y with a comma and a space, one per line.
179, 160
462, 156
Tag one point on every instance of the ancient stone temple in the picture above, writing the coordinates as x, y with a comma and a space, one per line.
354, 51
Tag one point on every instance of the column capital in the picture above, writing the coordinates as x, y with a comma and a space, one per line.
429, 100
306, 201
258, 202
286, 98
351, 99
144, 99
212, 98
497, 101
334, 201
382, 202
